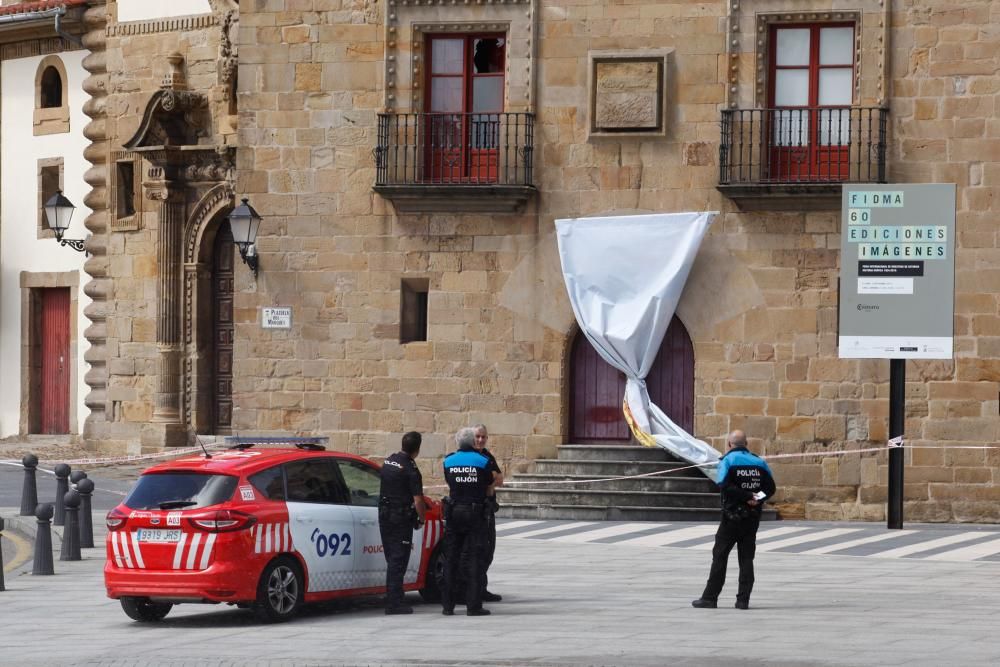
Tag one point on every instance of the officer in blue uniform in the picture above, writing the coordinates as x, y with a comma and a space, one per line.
470, 481
400, 510
746, 483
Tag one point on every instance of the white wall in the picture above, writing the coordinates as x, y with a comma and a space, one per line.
20, 247
144, 10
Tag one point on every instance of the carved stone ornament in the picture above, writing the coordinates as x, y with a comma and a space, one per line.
171, 118
627, 93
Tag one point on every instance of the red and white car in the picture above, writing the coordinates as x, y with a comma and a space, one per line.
266, 529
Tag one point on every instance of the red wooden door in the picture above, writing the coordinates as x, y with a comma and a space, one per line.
598, 389
55, 360
811, 90
223, 331
465, 84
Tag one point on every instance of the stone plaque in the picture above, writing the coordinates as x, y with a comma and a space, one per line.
626, 93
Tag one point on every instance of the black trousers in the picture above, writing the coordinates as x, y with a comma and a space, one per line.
397, 543
464, 532
743, 535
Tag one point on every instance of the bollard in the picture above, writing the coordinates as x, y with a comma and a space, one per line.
43, 541
71, 532
85, 487
62, 486
2, 587
29, 492
76, 476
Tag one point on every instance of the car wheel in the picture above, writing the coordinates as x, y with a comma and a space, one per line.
431, 592
280, 591
144, 610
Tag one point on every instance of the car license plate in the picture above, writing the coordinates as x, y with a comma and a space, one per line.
159, 535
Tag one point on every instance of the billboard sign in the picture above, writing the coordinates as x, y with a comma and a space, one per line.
897, 271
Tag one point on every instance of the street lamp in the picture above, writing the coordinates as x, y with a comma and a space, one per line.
58, 213
244, 223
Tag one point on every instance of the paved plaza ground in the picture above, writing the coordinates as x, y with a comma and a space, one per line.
569, 600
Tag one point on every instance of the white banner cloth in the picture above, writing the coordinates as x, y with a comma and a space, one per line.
625, 276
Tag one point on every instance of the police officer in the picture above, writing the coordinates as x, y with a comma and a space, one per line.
492, 506
745, 482
470, 480
400, 509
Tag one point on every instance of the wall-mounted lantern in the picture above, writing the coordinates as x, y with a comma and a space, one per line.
244, 223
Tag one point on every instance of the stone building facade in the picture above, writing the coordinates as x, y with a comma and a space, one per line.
416, 249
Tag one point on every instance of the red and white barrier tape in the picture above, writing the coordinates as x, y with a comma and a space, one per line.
134, 458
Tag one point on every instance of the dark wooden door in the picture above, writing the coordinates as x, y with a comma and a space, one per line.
598, 389
53, 332
222, 328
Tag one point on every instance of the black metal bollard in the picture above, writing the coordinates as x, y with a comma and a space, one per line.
76, 476
71, 532
29, 492
85, 487
62, 486
2, 587
43, 541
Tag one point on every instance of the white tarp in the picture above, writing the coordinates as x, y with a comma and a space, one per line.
625, 276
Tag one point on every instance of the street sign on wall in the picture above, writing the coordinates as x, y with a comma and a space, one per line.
897, 271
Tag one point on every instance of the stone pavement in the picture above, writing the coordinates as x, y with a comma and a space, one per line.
565, 603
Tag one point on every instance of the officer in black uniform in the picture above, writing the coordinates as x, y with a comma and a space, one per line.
492, 507
470, 480
745, 482
400, 509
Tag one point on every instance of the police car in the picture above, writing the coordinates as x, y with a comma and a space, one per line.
267, 529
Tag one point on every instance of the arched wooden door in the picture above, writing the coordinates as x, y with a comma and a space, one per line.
597, 388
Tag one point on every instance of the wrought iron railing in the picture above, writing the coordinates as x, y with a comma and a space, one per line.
803, 146
458, 149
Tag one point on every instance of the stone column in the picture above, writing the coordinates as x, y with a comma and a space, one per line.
168, 426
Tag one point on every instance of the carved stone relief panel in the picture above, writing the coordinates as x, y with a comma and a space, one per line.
627, 92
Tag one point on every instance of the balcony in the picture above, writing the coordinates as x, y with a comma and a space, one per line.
797, 159
455, 162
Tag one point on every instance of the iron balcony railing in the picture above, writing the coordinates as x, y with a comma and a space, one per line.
459, 149
803, 146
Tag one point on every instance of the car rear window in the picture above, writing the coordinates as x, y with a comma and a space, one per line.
180, 490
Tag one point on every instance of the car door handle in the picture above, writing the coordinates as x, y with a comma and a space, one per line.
367, 522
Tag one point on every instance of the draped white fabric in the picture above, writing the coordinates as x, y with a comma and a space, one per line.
625, 276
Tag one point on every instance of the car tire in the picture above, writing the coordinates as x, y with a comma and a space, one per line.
431, 592
279, 591
145, 610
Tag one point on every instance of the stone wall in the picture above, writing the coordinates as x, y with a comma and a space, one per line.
761, 302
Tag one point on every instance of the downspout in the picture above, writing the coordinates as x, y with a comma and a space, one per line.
72, 39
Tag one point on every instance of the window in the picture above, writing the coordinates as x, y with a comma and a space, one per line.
52, 88
180, 490
315, 481
125, 188
51, 115
270, 483
50, 178
811, 91
465, 81
413, 310
363, 482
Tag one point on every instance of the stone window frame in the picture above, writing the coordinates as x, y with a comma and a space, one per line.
52, 120
131, 222
407, 21
747, 29
594, 58
43, 229
766, 21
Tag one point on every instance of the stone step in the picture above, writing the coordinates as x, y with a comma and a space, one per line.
591, 468
608, 498
615, 513
676, 483
613, 453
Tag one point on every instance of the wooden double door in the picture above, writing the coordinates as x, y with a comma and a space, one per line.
598, 388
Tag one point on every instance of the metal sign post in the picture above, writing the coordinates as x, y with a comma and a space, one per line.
897, 291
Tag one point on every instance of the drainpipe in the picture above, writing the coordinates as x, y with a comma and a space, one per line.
72, 39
